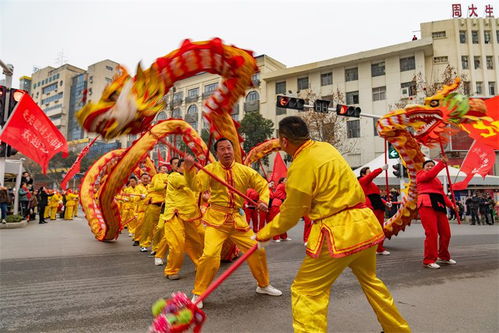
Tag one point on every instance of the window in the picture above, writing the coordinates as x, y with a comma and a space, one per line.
60, 83
464, 62
378, 69
411, 87
489, 61
474, 37
303, 83
51, 98
438, 34
235, 112
50, 88
177, 114
56, 117
193, 92
326, 79
192, 116
210, 88
497, 36
379, 93
91, 79
467, 88
108, 80
440, 60
280, 87
476, 61
352, 97
407, 64
351, 74
462, 37
486, 37
255, 79
252, 96
161, 116
353, 129
479, 87
109, 68
492, 88
177, 97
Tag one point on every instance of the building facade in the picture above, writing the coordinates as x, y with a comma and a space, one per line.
378, 80
25, 83
62, 91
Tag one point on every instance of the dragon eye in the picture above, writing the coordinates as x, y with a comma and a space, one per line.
434, 103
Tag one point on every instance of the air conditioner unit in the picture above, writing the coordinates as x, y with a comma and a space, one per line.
405, 92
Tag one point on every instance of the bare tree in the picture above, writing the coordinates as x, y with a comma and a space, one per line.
327, 127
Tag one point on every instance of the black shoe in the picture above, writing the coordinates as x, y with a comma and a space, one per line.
135, 243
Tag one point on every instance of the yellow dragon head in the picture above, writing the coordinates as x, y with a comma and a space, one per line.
127, 105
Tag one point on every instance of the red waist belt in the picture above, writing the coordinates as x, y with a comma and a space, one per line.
357, 206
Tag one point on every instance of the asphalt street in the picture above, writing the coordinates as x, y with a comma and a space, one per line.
58, 278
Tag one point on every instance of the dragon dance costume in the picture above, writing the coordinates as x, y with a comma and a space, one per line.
344, 234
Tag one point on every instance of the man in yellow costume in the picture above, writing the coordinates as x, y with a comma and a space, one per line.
54, 202
71, 200
344, 233
224, 217
156, 195
145, 180
182, 223
130, 198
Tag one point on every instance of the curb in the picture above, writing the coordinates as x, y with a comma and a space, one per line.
14, 225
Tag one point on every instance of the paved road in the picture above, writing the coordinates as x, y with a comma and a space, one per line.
58, 278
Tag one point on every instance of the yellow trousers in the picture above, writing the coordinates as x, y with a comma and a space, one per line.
311, 288
128, 215
52, 211
151, 218
46, 214
158, 239
69, 212
183, 237
210, 260
138, 226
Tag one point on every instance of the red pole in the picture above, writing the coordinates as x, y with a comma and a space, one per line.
200, 167
226, 274
450, 186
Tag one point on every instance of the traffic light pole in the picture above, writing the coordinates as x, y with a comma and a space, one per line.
366, 115
8, 71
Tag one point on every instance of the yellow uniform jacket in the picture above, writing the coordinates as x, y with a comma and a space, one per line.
180, 199
141, 204
71, 199
157, 188
225, 205
54, 200
322, 185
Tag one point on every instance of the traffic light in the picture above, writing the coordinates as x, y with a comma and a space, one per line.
348, 111
6, 150
399, 170
290, 103
321, 105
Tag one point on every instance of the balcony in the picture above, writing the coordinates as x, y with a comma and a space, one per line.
207, 94
252, 106
177, 102
190, 99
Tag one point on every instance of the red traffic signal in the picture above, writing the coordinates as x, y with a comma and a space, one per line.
348, 111
290, 103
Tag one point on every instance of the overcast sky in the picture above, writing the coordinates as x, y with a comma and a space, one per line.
35, 33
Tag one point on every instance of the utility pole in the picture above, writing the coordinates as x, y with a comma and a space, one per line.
8, 71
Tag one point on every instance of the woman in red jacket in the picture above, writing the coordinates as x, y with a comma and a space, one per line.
373, 198
432, 209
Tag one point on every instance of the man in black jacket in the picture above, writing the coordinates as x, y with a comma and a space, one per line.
42, 203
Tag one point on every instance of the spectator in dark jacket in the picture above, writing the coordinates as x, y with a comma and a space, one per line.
4, 202
43, 202
26, 178
24, 199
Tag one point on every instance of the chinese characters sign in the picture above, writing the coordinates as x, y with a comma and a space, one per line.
471, 11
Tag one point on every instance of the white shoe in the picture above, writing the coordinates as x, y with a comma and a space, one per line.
269, 290
287, 239
277, 241
194, 299
383, 253
143, 249
158, 262
446, 262
432, 266
130, 235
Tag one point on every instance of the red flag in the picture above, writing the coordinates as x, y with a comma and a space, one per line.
31, 132
160, 159
279, 171
75, 168
479, 160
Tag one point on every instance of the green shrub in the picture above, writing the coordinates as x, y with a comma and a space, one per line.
13, 218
